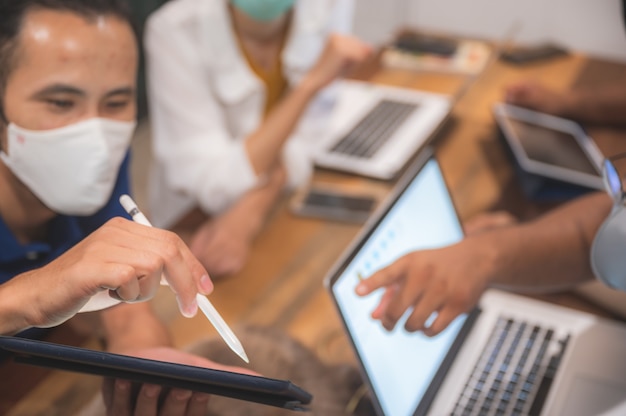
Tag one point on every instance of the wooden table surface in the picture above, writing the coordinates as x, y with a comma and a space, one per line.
282, 283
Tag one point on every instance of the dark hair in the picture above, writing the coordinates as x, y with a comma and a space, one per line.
13, 12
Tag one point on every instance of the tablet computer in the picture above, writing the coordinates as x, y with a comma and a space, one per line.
273, 392
550, 147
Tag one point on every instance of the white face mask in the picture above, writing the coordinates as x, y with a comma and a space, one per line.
73, 169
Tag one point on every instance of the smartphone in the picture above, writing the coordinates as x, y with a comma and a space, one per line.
524, 55
421, 43
334, 204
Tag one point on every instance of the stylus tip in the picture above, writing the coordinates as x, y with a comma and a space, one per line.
243, 356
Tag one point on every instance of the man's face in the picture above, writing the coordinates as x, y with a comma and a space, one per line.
68, 69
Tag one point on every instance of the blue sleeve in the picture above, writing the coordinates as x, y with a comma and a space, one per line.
113, 207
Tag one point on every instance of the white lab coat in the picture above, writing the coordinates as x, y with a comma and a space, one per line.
204, 100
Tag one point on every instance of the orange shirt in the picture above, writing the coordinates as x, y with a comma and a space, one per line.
274, 79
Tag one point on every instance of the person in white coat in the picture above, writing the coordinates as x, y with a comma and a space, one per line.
236, 110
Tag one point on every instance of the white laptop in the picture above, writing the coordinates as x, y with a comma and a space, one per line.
376, 129
510, 356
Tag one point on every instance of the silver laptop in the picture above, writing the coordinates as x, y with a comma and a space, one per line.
375, 129
510, 356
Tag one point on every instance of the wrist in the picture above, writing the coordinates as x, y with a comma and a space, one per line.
246, 221
15, 316
308, 86
248, 215
491, 257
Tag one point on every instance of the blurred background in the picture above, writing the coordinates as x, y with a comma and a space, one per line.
594, 27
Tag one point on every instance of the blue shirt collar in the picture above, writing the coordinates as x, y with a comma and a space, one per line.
63, 231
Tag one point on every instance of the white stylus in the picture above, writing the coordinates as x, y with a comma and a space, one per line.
203, 303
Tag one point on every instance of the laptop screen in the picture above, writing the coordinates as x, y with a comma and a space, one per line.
400, 365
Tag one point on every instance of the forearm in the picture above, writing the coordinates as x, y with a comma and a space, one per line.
133, 326
256, 204
603, 105
265, 144
550, 253
24, 304
340, 54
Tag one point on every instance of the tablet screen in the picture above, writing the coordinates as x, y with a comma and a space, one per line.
400, 365
552, 147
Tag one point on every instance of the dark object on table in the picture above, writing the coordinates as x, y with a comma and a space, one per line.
529, 54
421, 43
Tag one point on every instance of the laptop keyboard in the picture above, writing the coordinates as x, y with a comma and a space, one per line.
514, 373
368, 136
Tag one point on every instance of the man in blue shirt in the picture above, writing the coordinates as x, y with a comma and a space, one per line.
64, 232
67, 111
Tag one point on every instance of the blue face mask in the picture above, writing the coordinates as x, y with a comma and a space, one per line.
263, 10
608, 252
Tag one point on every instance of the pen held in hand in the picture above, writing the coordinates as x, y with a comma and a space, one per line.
203, 302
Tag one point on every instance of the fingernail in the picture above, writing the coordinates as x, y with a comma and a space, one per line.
122, 385
152, 391
361, 290
388, 326
201, 398
182, 395
206, 284
189, 311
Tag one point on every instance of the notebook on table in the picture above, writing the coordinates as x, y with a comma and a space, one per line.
376, 129
512, 355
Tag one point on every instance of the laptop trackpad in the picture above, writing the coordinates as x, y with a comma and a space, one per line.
590, 396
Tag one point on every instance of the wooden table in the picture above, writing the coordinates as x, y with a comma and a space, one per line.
282, 283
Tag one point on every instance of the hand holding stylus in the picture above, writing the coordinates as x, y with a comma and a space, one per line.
205, 305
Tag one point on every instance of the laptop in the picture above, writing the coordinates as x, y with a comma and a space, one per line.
511, 355
376, 129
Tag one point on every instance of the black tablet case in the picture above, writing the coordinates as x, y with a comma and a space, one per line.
273, 392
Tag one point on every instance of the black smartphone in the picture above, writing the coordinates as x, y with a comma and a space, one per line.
333, 204
421, 43
525, 55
